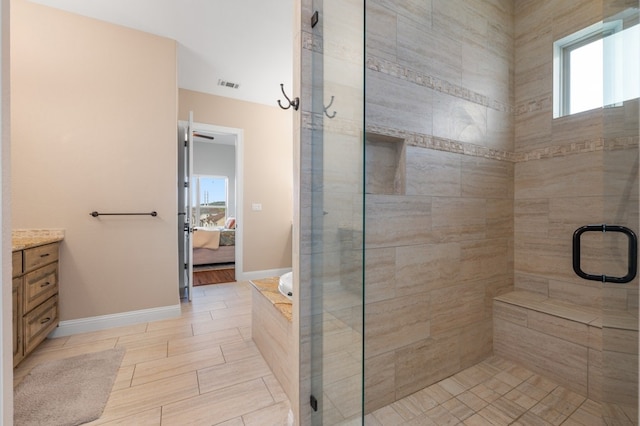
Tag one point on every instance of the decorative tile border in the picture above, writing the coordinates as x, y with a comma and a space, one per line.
443, 144
434, 83
312, 121
317, 121
537, 104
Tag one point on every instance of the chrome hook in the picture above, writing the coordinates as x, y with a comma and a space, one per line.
295, 103
327, 107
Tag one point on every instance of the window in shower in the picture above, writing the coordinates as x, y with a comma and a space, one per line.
597, 66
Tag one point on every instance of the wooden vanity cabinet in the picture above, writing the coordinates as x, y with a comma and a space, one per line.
35, 297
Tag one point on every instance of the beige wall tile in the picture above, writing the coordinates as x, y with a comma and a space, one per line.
380, 267
485, 178
417, 50
573, 16
587, 293
577, 127
395, 323
531, 283
433, 173
511, 313
379, 381
564, 361
500, 223
531, 216
571, 331
413, 374
426, 267
457, 219
483, 259
456, 306
618, 340
459, 119
397, 221
486, 71
533, 129
559, 177
595, 375
619, 377
381, 42
500, 130
476, 342
413, 113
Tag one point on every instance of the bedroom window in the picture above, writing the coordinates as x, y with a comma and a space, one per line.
597, 66
209, 200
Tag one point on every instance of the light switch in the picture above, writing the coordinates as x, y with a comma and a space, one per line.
256, 207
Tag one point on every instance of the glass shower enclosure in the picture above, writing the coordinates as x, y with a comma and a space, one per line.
447, 182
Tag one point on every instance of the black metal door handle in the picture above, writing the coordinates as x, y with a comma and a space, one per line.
632, 253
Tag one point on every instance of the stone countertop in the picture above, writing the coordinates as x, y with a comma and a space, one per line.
269, 289
22, 239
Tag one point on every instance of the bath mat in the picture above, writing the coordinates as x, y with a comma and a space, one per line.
69, 391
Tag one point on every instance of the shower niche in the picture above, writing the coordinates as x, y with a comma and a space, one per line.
385, 159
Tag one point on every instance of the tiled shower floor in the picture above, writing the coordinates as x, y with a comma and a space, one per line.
496, 392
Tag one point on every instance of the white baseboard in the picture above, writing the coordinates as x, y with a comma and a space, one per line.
254, 275
85, 325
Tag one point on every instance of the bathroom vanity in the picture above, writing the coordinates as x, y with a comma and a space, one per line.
35, 289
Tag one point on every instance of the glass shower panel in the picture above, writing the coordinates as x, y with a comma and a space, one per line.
337, 212
619, 357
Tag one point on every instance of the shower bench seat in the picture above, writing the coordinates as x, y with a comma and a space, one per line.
560, 340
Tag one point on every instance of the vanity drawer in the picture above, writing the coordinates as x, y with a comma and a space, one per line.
16, 263
40, 322
38, 256
40, 285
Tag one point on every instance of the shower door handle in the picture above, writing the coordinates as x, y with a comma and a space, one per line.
632, 253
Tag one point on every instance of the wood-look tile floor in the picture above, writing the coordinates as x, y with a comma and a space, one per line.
203, 369
199, 369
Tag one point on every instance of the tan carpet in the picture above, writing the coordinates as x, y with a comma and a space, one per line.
69, 391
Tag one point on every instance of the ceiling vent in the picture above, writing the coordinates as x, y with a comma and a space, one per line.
228, 84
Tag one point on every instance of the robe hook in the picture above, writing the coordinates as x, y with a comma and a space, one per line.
327, 107
295, 103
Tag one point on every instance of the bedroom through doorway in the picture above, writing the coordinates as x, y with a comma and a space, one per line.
215, 196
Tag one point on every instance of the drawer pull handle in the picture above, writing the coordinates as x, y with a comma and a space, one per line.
45, 254
45, 284
45, 320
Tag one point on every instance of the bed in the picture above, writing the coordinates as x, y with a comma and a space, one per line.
214, 245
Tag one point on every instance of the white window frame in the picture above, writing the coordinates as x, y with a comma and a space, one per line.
615, 54
196, 194
562, 65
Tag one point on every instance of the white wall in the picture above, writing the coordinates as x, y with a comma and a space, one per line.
217, 160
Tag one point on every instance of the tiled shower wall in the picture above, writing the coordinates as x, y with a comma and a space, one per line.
574, 171
439, 184
473, 187
560, 178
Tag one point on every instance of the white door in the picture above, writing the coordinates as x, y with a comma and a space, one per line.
185, 225
190, 221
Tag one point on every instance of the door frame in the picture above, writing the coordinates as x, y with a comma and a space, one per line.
239, 145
